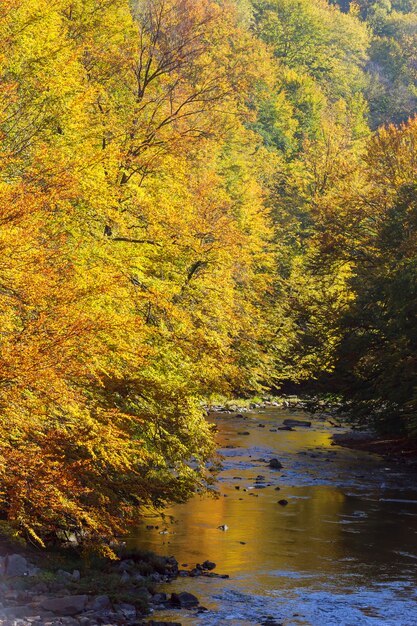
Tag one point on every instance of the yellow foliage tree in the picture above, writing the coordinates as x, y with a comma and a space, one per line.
135, 252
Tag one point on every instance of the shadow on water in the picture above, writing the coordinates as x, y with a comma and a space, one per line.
342, 551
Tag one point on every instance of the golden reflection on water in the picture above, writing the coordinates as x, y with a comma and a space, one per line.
335, 536
322, 528
262, 534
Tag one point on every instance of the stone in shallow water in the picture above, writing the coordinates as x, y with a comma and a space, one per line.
184, 600
293, 422
208, 565
275, 464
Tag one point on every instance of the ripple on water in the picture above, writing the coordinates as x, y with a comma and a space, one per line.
301, 606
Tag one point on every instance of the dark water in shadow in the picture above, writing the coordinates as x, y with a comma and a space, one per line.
343, 551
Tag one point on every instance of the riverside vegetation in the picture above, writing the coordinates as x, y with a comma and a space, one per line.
198, 197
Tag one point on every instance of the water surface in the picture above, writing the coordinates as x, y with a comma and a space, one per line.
343, 551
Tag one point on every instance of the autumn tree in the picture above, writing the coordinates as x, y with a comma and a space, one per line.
376, 359
136, 249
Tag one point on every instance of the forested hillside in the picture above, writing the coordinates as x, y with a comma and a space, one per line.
198, 197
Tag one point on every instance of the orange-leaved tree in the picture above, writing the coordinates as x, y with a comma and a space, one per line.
135, 254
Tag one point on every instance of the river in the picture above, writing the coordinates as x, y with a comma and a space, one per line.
343, 551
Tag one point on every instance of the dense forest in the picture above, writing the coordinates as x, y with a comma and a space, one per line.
198, 197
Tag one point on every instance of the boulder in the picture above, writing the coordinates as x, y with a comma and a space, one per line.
126, 565
195, 572
293, 422
139, 578
16, 565
19, 612
63, 575
275, 464
125, 578
184, 600
67, 605
100, 603
34, 571
283, 502
145, 594
159, 598
127, 610
208, 565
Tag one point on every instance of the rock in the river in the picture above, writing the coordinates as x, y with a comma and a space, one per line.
283, 502
208, 565
67, 605
285, 428
223, 527
275, 464
184, 600
293, 422
244, 433
195, 572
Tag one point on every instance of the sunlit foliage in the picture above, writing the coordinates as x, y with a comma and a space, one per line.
188, 190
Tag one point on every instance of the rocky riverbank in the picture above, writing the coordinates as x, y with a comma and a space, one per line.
398, 450
119, 592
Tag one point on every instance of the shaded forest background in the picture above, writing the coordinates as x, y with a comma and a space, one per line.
198, 197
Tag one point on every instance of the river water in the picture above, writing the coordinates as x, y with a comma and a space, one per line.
343, 551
